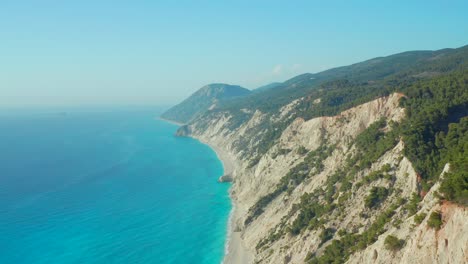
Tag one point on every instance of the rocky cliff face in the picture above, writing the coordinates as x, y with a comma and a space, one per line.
274, 233
424, 244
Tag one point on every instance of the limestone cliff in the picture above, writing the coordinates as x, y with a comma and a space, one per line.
271, 230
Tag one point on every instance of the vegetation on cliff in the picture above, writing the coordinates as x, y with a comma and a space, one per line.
393, 243
313, 162
201, 101
434, 132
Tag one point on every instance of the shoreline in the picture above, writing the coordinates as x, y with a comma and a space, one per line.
169, 121
234, 250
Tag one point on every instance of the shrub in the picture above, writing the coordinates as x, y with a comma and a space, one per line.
376, 196
301, 150
455, 187
386, 168
393, 243
281, 152
397, 223
435, 220
345, 186
388, 177
419, 218
326, 235
342, 232
413, 206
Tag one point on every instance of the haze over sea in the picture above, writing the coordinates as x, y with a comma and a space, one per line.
110, 186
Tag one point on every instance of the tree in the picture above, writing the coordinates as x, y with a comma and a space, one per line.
435, 220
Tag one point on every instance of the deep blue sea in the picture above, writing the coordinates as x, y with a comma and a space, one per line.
107, 186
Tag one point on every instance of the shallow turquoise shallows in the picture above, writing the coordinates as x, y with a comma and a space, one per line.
107, 187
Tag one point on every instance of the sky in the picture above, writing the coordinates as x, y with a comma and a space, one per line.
92, 52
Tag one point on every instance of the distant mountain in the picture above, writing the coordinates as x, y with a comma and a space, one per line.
202, 100
267, 87
350, 83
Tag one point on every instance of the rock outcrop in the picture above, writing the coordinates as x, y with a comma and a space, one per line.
225, 178
183, 131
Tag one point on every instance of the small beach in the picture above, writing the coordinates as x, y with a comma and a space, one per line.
235, 250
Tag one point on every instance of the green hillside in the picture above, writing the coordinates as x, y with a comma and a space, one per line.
202, 100
435, 85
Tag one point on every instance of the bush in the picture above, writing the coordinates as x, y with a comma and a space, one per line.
342, 232
413, 205
326, 235
281, 152
386, 168
419, 218
435, 220
301, 150
397, 223
376, 196
455, 186
393, 243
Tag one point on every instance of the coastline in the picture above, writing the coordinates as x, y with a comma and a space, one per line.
234, 250
170, 121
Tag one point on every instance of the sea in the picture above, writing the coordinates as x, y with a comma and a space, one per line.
107, 185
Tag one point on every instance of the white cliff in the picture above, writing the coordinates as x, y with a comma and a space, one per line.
250, 183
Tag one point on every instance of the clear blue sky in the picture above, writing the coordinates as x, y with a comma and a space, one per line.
158, 52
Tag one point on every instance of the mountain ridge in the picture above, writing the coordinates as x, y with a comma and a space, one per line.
202, 100
263, 88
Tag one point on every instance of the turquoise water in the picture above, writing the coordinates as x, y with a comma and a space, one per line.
107, 187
